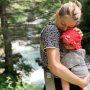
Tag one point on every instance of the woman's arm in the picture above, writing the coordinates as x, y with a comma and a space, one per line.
60, 70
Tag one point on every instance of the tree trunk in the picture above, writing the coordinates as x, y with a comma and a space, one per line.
7, 41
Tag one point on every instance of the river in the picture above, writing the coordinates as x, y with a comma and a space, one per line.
30, 53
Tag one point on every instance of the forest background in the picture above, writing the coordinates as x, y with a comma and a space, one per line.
17, 17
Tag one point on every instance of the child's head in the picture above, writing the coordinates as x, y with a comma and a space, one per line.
71, 39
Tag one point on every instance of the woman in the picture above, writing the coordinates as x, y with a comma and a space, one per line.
68, 16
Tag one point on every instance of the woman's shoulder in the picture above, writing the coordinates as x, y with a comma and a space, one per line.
50, 27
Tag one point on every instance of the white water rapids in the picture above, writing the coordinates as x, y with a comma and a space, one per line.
29, 53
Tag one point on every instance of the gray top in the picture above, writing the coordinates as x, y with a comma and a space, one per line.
75, 61
73, 58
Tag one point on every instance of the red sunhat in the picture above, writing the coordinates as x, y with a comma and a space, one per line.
72, 37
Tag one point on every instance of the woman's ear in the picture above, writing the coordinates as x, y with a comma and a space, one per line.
57, 12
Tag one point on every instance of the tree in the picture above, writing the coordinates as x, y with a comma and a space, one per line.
6, 39
85, 24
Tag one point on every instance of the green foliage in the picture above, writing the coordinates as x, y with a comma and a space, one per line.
16, 57
86, 43
4, 2
9, 82
20, 11
85, 24
43, 9
23, 67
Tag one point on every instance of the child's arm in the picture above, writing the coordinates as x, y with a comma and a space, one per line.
65, 85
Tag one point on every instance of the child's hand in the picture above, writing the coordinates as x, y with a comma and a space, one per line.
86, 79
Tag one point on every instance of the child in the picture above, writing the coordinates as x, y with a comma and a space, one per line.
74, 59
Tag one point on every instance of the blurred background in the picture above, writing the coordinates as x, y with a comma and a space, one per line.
21, 22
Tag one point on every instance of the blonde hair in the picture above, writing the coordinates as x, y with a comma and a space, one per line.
72, 8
